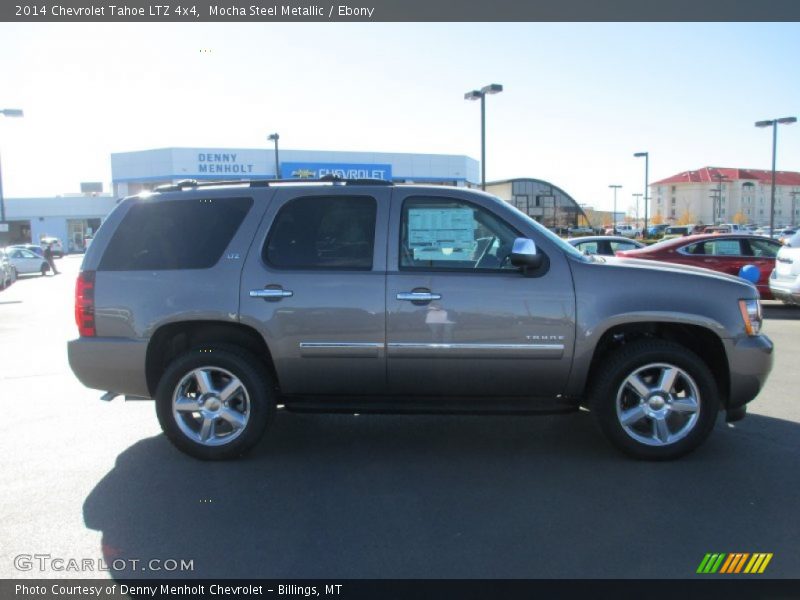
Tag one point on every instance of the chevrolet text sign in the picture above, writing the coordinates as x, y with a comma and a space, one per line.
305, 170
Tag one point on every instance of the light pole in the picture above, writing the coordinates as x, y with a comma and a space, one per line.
716, 209
774, 124
646, 183
493, 88
274, 137
636, 200
614, 214
6, 112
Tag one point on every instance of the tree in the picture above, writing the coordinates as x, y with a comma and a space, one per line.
657, 219
739, 218
687, 218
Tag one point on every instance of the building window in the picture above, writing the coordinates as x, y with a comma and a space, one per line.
673, 201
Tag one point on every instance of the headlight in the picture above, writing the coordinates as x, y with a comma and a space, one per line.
751, 314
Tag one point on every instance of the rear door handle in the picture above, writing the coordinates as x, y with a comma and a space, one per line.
271, 293
418, 296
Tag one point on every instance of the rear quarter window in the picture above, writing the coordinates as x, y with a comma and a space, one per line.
174, 234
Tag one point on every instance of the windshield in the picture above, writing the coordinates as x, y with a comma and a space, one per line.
561, 244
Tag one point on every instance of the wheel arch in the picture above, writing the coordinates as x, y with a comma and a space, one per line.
173, 339
706, 344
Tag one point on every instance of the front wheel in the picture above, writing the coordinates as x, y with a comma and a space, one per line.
655, 400
214, 403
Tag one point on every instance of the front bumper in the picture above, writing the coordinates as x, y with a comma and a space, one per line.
750, 361
787, 291
112, 364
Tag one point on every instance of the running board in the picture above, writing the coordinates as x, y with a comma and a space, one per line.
109, 396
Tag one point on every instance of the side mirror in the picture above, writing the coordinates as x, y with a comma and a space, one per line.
523, 254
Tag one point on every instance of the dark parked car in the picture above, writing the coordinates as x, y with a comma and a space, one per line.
604, 245
726, 253
362, 296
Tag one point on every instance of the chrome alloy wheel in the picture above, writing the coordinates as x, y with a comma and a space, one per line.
658, 404
211, 406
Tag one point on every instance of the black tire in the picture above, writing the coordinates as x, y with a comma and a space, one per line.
44, 269
185, 430
648, 436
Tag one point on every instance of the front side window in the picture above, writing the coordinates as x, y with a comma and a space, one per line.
174, 234
443, 233
323, 232
587, 247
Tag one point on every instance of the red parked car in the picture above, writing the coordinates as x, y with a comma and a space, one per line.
726, 253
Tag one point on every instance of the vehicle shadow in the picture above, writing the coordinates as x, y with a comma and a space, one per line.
342, 496
780, 311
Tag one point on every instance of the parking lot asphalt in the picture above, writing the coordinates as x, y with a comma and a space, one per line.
342, 496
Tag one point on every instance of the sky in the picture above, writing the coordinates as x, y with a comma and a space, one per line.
578, 101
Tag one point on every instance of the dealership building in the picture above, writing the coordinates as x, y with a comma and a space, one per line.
133, 172
74, 217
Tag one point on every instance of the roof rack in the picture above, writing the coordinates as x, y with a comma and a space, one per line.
331, 179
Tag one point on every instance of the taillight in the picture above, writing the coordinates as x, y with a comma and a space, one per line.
84, 304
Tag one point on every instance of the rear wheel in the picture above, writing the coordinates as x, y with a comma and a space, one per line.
214, 403
655, 400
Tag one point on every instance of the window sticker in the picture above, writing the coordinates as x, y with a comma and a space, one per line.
441, 233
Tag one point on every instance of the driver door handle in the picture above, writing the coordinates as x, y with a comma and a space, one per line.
418, 296
271, 293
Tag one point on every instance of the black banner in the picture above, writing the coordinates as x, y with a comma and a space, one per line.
170, 11
371, 589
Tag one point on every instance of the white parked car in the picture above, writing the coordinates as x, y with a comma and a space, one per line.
25, 261
736, 228
628, 230
784, 283
7, 273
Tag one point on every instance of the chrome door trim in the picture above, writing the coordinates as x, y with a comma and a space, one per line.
341, 349
341, 345
473, 350
478, 346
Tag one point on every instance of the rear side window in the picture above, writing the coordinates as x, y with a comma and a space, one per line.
615, 246
175, 234
323, 232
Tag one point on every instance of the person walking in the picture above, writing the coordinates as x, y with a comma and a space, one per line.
48, 256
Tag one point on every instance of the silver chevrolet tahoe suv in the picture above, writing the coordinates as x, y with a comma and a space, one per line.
225, 301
